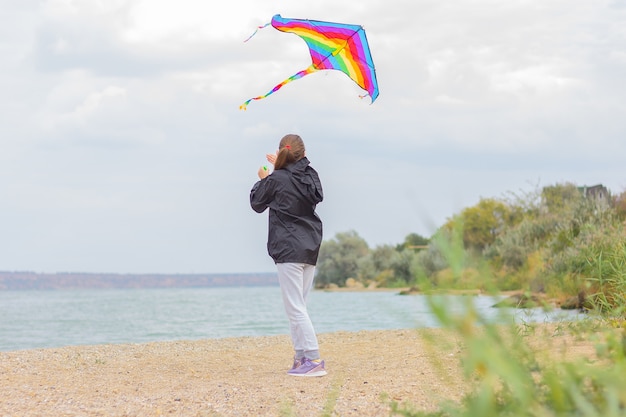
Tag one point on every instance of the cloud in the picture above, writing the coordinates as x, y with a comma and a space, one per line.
124, 149
93, 103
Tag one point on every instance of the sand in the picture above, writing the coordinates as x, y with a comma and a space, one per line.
237, 377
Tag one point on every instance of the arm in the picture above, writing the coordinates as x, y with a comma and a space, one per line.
262, 194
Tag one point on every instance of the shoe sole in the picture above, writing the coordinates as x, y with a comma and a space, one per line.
316, 373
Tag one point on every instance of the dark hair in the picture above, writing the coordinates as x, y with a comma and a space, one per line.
290, 150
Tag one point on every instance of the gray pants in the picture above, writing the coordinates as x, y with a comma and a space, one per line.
296, 281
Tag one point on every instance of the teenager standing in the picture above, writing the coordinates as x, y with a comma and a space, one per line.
291, 192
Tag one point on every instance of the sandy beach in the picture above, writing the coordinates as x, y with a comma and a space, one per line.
239, 376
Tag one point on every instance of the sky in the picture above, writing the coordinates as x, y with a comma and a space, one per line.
123, 148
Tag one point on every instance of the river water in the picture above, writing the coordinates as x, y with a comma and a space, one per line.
42, 319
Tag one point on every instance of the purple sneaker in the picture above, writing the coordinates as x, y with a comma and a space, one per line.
309, 368
296, 363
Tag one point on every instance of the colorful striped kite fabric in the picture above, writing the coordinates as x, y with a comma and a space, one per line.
335, 46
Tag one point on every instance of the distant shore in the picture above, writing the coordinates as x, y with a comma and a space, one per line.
26, 280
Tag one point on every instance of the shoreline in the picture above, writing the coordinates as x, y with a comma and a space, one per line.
241, 376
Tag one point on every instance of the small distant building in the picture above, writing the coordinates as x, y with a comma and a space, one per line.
598, 192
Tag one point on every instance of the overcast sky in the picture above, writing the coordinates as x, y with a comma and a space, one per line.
123, 148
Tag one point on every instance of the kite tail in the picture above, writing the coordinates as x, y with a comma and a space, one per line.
294, 77
256, 30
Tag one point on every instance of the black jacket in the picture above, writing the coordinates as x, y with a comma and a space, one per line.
295, 230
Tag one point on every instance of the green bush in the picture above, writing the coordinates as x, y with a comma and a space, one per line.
511, 378
339, 259
545, 241
604, 273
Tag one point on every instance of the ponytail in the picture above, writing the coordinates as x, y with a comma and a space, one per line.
290, 150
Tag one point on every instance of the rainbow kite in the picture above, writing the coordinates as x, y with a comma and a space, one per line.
332, 46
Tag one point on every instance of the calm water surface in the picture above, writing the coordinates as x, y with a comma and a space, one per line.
39, 319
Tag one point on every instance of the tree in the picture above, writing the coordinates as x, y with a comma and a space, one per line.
619, 203
339, 259
402, 265
378, 266
482, 223
413, 241
560, 196
382, 257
